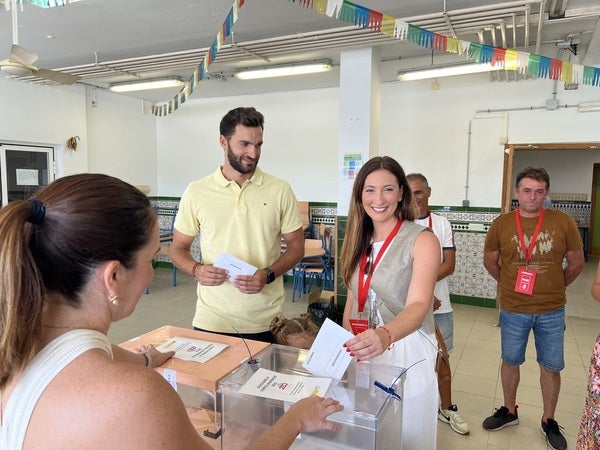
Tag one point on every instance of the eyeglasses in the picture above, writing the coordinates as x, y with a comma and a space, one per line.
369, 265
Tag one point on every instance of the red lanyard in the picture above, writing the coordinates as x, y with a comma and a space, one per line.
364, 280
430, 221
528, 251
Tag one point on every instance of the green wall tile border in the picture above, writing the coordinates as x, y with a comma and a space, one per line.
464, 209
159, 197
473, 301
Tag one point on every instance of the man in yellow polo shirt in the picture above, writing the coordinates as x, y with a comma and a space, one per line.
242, 211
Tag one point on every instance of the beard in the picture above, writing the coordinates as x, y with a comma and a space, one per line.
236, 163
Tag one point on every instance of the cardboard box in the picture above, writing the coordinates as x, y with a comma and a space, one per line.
327, 296
320, 295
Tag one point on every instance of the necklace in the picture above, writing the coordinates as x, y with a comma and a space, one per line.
60, 327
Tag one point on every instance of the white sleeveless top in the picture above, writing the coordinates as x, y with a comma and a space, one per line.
42, 369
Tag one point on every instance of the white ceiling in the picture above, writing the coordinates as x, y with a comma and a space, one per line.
106, 41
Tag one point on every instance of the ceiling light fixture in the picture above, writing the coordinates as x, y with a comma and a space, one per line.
159, 83
588, 106
284, 70
445, 71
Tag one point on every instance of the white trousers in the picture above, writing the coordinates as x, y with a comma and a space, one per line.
420, 398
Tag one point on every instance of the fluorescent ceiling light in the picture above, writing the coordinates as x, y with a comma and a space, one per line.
284, 70
146, 85
588, 106
447, 71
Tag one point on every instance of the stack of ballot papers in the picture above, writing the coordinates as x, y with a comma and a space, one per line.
191, 349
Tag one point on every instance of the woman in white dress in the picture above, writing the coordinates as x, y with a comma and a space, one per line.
390, 266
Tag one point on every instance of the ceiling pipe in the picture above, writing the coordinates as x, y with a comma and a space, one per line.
503, 33
497, 6
527, 18
538, 40
466, 16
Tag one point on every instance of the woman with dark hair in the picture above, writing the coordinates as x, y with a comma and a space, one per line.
390, 266
73, 259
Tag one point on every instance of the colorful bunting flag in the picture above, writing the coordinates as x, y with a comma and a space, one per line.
361, 16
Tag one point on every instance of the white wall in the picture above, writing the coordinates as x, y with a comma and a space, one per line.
114, 138
426, 130
46, 115
122, 138
562, 179
300, 141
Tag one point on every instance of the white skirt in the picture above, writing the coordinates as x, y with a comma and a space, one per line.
420, 394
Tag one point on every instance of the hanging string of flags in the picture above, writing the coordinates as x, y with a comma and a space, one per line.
40, 3
508, 59
200, 71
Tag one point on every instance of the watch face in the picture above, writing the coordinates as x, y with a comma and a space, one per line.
270, 275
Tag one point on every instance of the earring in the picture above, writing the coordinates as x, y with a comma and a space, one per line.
114, 299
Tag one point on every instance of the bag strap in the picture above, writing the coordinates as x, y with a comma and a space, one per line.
443, 351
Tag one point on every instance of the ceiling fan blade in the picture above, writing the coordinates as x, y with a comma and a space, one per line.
22, 55
58, 77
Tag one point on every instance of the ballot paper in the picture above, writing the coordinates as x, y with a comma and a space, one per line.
192, 349
279, 386
327, 356
234, 266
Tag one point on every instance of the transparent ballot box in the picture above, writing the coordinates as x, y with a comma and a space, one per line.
371, 419
197, 383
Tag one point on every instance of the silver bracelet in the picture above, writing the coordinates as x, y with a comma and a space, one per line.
148, 359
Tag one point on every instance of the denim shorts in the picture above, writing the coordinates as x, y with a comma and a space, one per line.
445, 323
548, 332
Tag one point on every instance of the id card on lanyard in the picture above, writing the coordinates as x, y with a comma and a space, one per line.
365, 275
525, 276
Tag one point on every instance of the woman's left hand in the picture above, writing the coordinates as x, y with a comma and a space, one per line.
368, 344
156, 357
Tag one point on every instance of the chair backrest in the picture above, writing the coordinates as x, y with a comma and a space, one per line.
304, 214
166, 221
313, 243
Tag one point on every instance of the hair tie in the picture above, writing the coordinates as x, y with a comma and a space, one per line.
38, 211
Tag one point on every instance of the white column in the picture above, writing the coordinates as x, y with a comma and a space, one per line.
359, 114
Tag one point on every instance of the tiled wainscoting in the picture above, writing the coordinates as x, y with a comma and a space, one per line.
469, 284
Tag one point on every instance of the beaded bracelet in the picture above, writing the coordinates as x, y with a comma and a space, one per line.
194, 270
389, 337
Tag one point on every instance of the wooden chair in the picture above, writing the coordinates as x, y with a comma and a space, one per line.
304, 209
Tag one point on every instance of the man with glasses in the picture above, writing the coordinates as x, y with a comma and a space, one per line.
533, 253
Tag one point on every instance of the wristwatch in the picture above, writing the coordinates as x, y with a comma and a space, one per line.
270, 275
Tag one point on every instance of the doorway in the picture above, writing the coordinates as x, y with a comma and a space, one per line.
587, 173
